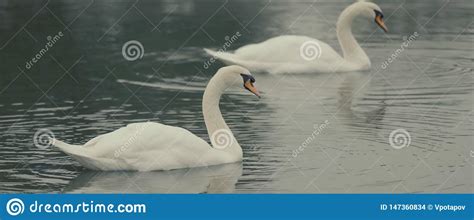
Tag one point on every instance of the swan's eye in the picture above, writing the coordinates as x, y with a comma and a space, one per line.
252, 80
247, 78
378, 13
248, 84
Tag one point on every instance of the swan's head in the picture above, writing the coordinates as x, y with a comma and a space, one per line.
372, 11
237, 76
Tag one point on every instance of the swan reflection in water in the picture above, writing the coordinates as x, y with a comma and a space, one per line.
352, 89
212, 179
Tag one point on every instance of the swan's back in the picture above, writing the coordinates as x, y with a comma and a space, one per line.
285, 49
284, 54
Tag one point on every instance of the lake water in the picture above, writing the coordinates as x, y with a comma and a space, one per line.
312, 133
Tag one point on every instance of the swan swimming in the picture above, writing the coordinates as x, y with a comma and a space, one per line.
302, 54
154, 146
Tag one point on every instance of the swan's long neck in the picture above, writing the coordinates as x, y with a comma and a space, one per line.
212, 113
351, 49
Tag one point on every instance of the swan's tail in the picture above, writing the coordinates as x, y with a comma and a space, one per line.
227, 58
232, 59
68, 148
78, 153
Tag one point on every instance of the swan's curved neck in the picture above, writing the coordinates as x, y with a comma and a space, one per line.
212, 113
351, 49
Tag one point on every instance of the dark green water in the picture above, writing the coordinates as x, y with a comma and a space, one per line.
83, 87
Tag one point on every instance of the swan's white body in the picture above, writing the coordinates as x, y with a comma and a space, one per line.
154, 146
282, 55
146, 146
287, 54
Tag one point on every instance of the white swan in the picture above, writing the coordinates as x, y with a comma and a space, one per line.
302, 54
154, 146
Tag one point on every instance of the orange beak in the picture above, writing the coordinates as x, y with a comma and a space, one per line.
249, 86
380, 23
